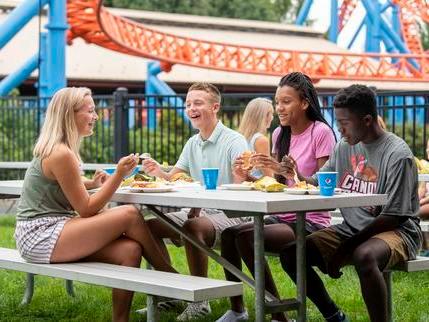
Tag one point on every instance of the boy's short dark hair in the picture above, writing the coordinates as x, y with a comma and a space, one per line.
208, 88
359, 99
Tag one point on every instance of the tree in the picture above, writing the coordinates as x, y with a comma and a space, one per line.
267, 10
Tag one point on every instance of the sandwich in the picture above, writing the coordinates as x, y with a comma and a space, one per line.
247, 164
181, 176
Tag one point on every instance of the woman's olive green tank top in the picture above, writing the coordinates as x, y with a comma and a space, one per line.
41, 196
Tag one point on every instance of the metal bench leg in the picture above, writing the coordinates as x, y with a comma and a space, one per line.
152, 308
388, 279
29, 289
69, 288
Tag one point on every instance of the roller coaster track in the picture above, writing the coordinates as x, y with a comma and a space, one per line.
89, 20
409, 10
345, 12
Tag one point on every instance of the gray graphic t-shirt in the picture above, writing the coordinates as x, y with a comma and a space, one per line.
385, 166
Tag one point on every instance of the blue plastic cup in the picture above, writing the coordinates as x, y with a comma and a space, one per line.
327, 182
111, 171
210, 176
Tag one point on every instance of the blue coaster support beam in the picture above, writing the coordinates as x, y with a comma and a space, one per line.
53, 46
43, 72
303, 12
155, 86
18, 18
16, 78
56, 54
387, 29
333, 28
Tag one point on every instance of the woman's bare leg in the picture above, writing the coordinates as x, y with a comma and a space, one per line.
126, 252
160, 231
82, 237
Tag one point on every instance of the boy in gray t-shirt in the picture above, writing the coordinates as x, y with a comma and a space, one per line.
368, 160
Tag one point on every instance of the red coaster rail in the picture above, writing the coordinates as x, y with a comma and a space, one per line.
91, 21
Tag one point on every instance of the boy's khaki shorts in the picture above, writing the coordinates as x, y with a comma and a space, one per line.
328, 240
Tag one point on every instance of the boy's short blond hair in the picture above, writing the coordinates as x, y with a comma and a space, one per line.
208, 88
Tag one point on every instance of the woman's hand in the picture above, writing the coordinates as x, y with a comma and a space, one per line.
424, 201
152, 168
422, 190
126, 165
288, 167
99, 178
262, 161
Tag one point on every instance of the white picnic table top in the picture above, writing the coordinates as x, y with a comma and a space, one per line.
424, 177
246, 201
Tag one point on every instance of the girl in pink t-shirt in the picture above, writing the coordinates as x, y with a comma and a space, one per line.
305, 136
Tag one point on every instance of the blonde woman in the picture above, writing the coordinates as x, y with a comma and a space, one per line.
257, 118
58, 221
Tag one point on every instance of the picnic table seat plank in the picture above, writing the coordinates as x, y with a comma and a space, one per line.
183, 287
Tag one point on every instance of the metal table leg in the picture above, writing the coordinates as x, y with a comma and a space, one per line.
259, 268
212, 254
301, 272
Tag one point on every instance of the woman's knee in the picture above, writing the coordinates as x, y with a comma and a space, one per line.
131, 253
131, 213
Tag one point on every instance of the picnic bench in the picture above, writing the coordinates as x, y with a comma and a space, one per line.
153, 283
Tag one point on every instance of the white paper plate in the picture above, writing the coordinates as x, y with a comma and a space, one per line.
195, 184
295, 191
158, 189
236, 186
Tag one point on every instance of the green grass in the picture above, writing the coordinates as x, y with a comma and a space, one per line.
93, 303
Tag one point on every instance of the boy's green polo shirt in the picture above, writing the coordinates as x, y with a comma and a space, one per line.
218, 151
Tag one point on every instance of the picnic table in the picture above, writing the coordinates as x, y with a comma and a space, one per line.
238, 204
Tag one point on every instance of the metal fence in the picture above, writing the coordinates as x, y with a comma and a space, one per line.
156, 124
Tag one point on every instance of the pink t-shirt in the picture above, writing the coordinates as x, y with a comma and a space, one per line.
317, 141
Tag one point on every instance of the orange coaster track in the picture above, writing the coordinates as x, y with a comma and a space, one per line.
89, 20
409, 10
345, 12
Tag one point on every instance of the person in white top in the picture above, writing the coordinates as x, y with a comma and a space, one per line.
257, 118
